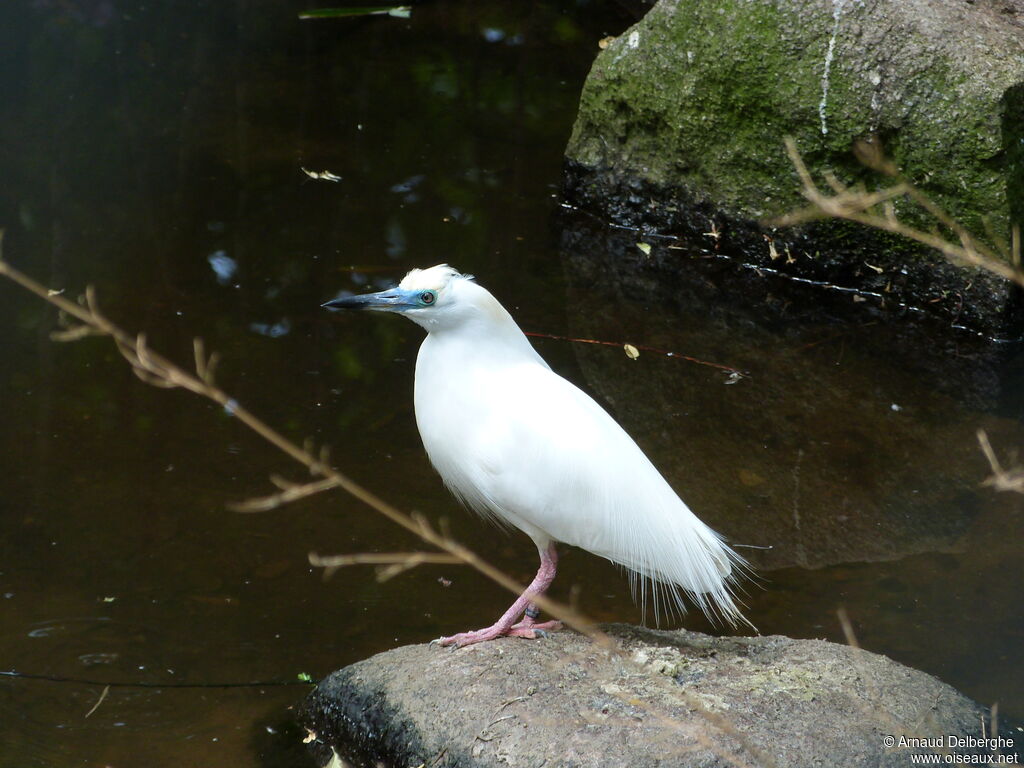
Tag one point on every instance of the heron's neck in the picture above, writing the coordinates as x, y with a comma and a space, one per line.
488, 335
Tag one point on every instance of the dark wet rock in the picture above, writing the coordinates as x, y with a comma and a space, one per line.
682, 117
672, 699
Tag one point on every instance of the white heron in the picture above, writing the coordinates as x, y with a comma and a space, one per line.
518, 443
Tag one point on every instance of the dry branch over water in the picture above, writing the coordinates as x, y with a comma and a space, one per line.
876, 209
159, 371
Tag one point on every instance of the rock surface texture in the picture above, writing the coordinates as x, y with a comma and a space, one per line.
682, 119
671, 699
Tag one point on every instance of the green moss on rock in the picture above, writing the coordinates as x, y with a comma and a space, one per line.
692, 103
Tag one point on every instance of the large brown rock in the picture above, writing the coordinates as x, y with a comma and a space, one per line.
670, 699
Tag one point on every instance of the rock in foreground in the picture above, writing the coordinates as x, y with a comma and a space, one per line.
674, 699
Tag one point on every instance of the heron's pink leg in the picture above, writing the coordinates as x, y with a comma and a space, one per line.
506, 625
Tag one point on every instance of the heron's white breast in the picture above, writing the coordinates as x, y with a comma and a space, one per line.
512, 438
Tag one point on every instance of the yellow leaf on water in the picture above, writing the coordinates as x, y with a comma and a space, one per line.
631, 352
322, 175
645, 247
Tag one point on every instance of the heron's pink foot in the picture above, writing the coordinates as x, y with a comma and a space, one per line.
478, 636
506, 626
530, 631
531, 628
467, 638
534, 631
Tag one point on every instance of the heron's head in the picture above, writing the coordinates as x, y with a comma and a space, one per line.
435, 298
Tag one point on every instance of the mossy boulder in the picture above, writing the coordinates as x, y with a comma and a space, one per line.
682, 120
670, 699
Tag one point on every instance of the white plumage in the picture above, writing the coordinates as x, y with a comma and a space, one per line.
517, 442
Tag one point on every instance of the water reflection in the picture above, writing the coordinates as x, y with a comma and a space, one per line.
224, 267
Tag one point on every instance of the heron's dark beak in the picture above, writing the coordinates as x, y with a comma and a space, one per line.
391, 300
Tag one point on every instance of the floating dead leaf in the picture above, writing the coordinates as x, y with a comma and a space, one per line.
310, 736
879, 270
631, 352
321, 175
604, 42
645, 248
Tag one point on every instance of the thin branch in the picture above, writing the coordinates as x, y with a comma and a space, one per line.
395, 562
289, 492
155, 369
1001, 479
106, 690
667, 353
860, 206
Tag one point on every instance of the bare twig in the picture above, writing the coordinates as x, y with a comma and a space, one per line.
861, 206
157, 370
395, 562
1001, 479
847, 625
99, 701
289, 492
667, 353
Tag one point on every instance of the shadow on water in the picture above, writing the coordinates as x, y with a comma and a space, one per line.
156, 150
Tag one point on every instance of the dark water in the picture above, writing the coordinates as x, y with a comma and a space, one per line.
155, 151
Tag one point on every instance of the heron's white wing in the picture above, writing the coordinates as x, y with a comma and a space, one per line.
544, 453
